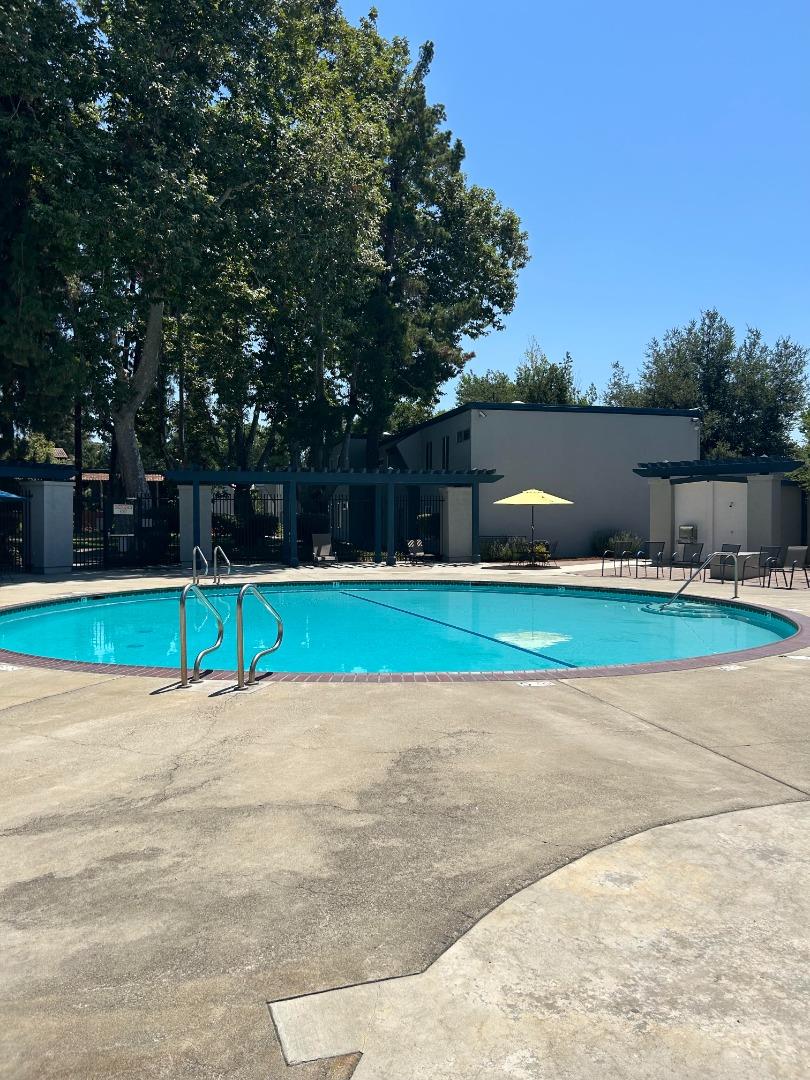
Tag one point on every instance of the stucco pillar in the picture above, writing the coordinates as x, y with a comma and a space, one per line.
50, 525
187, 521
661, 511
764, 510
456, 531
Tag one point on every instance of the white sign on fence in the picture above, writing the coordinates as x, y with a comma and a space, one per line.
123, 509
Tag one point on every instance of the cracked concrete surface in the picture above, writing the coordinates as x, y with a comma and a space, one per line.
169, 863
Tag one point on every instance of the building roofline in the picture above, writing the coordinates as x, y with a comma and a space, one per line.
512, 406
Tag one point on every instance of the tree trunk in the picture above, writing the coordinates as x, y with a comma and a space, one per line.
142, 382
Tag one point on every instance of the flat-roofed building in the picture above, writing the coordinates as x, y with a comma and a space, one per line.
584, 453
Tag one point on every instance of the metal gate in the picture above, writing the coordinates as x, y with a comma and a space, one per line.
247, 523
128, 533
418, 517
15, 551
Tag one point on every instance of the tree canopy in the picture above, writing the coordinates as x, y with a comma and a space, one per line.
537, 380
751, 394
231, 233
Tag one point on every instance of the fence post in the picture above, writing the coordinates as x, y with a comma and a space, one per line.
187, 520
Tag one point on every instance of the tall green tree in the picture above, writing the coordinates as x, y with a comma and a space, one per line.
49, 86
751, 395
450, 253
537, 381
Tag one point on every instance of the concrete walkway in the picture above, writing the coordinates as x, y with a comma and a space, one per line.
170, 862
679, 952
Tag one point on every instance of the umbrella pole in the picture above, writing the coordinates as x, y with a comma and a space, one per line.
532, 536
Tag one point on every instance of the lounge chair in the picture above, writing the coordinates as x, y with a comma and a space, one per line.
689, 559
729, 550
651, 554
617, 554
794, 558
322, 548
416, 551
763, 557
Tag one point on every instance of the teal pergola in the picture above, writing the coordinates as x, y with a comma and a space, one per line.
382, 480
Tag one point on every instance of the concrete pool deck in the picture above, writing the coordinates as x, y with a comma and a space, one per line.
173, 862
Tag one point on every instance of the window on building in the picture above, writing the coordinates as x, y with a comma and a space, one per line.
445, 451
463, 436
428, 455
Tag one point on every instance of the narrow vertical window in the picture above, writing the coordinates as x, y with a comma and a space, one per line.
445, 451
428, 455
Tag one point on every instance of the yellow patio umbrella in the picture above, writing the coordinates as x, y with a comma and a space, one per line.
533, 497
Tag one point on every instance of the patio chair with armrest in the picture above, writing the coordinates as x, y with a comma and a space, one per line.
763, 557
620, 551
322, 548
550, 557
651, 554
794, 558
689, 559
727, 550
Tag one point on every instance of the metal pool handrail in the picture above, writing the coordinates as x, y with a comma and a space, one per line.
195, 574
200, 595
217, 575
240, 635
700, 569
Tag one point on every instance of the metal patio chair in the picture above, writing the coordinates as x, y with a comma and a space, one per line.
689, 559
763, 557
651, 554
794, 558
620, 551
550, 558
729, 550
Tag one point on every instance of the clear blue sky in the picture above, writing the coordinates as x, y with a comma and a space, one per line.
657, 154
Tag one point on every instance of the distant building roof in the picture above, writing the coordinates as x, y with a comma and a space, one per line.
94, 475
520, 406
717, 467
59, 456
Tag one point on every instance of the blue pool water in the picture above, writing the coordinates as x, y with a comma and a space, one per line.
365, 627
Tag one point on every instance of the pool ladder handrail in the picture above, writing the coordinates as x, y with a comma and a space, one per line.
703, 566
251, 587
194, 589
217, 574
195, 574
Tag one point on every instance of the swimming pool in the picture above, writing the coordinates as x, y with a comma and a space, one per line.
363, 628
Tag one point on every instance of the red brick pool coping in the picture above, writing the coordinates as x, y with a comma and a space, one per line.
799, 640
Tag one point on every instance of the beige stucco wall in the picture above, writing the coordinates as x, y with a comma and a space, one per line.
587, 457
718, 508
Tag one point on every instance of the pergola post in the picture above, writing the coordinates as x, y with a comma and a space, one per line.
195, 510
195, 520
378, 524
476, 540
291, 507
390, 530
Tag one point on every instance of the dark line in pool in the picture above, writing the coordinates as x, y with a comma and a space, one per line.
462, 629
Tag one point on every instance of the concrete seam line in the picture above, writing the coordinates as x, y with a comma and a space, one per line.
686, 739
61, 693
563, 866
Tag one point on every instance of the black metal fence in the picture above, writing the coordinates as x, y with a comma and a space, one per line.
248, 524
15, 553
418, 518
128, 533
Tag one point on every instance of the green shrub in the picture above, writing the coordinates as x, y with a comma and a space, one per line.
606, 539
